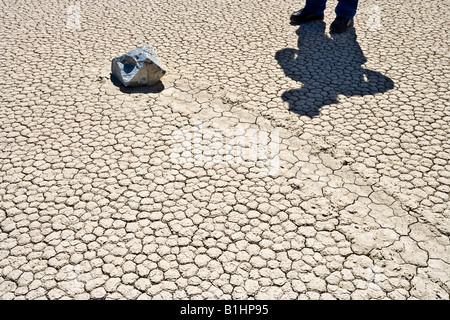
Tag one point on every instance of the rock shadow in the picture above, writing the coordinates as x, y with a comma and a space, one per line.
327, 66
157, 88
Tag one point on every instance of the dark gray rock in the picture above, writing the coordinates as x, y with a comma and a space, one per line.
139, 67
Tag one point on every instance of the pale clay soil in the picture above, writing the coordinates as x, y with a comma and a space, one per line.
113, 193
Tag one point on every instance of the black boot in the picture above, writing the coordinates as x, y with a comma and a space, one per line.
341, 24
304, 16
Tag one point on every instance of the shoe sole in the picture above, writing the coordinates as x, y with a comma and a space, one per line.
351, 25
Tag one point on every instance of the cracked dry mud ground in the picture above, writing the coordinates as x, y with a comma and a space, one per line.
93, 205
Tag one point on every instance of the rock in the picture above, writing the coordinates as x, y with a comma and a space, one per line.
139, 67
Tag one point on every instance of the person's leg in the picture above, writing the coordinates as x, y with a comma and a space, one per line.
313, 11
315, 7
345, 11
346, 8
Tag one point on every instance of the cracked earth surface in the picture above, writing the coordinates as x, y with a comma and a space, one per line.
94, 205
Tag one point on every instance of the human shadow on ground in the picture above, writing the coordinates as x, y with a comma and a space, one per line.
327, 66
157, 88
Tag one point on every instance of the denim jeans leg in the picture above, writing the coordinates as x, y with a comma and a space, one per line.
346, 8
316, 7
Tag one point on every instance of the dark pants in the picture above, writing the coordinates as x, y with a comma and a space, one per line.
345, 8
